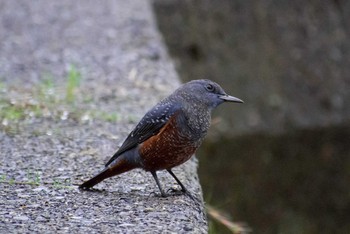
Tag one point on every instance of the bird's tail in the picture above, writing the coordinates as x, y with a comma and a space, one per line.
95, 180
115, 168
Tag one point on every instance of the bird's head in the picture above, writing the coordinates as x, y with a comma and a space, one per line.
205, 92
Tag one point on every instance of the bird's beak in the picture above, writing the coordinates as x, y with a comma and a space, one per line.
229, 98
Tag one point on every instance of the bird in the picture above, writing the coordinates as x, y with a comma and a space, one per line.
169, 133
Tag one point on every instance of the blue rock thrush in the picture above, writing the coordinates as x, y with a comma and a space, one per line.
169, 134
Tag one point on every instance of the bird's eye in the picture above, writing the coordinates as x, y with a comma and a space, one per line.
209, 87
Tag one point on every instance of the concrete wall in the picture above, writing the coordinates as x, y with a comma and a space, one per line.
288, 60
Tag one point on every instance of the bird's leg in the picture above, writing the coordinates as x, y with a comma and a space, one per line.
183, 189
154, 174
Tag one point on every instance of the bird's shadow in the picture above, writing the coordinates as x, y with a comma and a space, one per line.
171, 193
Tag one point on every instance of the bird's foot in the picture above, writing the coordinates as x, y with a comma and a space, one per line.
158, 195
177, 192
170, 192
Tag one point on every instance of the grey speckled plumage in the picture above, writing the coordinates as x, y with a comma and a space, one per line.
169, 134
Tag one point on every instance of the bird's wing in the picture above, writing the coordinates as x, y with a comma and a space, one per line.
149, 126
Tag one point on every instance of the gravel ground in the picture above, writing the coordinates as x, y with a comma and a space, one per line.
125, 69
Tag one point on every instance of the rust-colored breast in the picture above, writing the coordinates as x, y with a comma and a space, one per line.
167, 149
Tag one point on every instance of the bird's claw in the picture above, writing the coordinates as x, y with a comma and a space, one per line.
158, 195
182, 192
176, 192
